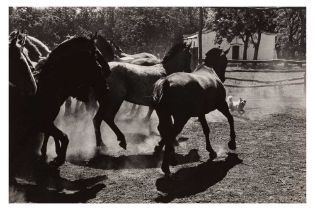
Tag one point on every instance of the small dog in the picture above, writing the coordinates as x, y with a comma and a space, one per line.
236, 105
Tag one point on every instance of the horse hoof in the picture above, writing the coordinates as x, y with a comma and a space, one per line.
173, 162
57, 162
123, 145
167, 172
232, 145
176, 143
213, 155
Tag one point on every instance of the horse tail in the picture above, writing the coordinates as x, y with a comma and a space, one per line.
159, 91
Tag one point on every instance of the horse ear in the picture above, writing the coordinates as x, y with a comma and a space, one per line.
23, 40
188, 46
227, 51
93, 38
13, 41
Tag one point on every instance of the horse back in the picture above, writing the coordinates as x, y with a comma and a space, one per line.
194, 93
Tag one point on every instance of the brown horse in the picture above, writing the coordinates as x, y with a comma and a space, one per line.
134, 84
184, 95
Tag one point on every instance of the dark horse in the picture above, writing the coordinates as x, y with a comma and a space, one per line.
35, 49
108, 53
71, 69
185, 95
22, 87
134, 84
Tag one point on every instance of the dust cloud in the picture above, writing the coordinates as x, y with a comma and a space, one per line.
263, 101
141, 136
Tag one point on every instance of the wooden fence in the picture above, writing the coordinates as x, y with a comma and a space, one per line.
292, 81
271, 62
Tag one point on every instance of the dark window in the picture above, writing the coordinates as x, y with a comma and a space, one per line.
235, 52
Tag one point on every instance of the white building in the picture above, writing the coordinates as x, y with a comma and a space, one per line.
266, 50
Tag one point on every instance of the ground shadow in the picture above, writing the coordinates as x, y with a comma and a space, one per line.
193, 180
36, 194
182, 139
139, 161
49, 187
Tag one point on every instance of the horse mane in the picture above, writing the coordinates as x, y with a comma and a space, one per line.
116, 46
40, 45
173, 51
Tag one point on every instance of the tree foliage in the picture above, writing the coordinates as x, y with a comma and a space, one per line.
249, 23
154, 29
136, 29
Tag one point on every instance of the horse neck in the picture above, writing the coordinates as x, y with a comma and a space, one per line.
173, 66
21, 76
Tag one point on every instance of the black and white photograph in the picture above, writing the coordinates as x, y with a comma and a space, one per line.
157, 104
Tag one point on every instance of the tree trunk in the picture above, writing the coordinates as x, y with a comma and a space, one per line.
111, 22
200, 34
245, 47
256, 45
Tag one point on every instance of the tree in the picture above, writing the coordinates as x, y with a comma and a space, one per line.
291, 30
246, 23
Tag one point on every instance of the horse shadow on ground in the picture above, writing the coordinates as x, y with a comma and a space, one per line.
50, 187
139, 161
190, 181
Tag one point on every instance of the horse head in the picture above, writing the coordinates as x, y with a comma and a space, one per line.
20, 74
177, 59
117, 50
216, 59
75, 64
105, 47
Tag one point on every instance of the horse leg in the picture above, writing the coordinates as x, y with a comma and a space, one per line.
138, 109
82, 108
107, 112
149, 113
53, 131
44, 147
77, 108
165, 128
120, 136
67, 107
133, 110
97, 121
206, 131
224, 109
179, 123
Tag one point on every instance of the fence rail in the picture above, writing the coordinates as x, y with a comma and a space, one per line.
268, 85
275, 61
267, 71
274, 83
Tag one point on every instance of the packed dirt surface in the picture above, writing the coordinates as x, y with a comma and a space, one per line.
269, 164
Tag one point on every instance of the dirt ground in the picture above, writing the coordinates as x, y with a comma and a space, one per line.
269, 165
